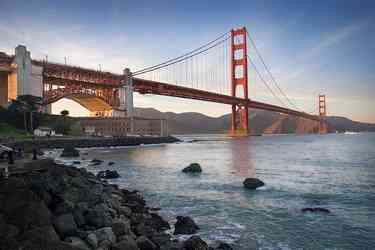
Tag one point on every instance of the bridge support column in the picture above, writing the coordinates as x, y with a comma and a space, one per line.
125, 108
323, 127
29, 77
240, 114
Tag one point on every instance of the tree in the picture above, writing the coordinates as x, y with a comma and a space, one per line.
64, 112
26, 104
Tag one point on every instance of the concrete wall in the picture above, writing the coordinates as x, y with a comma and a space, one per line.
121, 126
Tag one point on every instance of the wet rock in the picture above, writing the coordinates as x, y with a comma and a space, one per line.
195, 243
315, 209
98, 216
127, 243
108, 174
70, 151
92, 240
76, 162
253, 183
65, 225
193, 168
144, 243
77, 243
185, 225
111, 163
96, 162
125, 211
221, 246
105, 234
158, 223
121, 227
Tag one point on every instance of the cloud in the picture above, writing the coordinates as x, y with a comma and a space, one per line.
306, 61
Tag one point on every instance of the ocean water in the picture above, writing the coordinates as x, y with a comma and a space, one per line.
334, 171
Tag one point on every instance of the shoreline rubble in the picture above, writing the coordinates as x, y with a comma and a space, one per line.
64, 207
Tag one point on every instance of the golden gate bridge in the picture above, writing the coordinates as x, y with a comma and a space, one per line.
217, 71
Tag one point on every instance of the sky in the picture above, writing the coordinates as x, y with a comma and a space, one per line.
311, 47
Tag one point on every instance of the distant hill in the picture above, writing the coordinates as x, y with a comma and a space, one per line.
260, 122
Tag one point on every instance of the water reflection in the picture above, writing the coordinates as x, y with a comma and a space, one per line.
242, 164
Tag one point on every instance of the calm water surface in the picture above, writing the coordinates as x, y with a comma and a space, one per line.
332, 171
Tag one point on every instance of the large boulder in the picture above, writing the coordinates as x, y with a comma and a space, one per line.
252, 183
158, 223
193, 168
108, 174
77, 243
70, 151
221, 246
145, 244
121, 227
195, 243
99, 216
127, 243
92, 240
105, 234
65, 225
185, 225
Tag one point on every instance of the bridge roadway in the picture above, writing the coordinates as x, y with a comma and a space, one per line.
58, 73
144, 86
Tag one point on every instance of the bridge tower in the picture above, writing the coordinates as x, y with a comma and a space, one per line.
323, 128
240, 114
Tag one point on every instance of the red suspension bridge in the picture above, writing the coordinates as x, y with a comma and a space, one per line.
218, 71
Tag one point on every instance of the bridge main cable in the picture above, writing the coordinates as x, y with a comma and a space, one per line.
269, 72
185, 56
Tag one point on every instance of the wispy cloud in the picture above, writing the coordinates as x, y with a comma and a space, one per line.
305, 62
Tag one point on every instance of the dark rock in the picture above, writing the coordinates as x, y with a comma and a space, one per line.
108, 174
252, 183
92, 240
77, 243
315, 209
105, 234
195, 243
158, 223
193, 168
65, 225
111, 163
221, 246
76, 162
145, 244
98, 216
185, 225
8, 231
127, 243
70, 151
40, 233
24, 209
121, 227
96, 162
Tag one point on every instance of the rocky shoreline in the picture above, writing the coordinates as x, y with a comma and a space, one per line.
80, 142
63, 207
